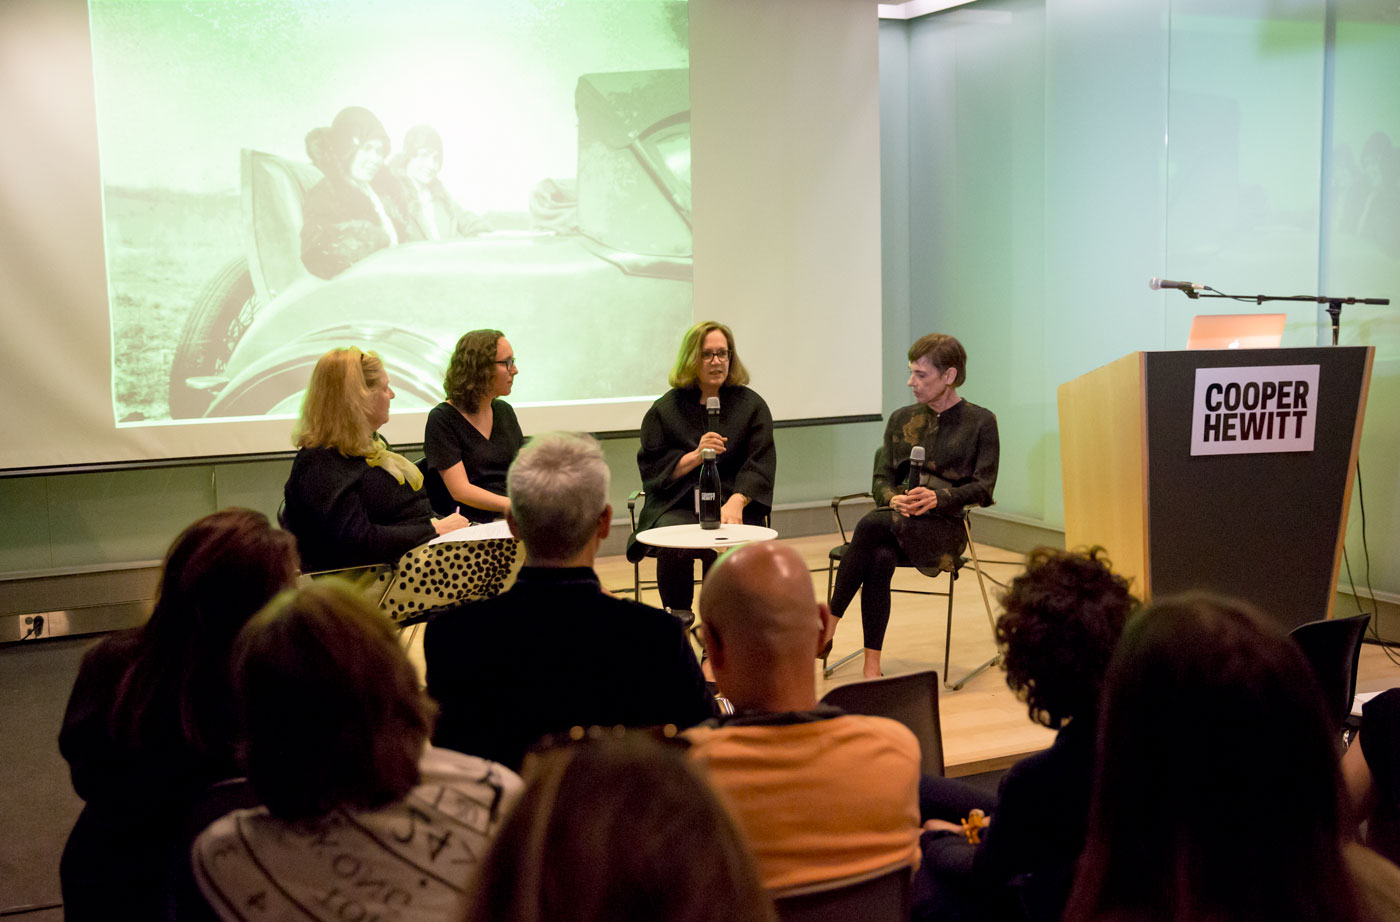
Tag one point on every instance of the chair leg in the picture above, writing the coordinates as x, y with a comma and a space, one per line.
636, 580
826, 673
986, 603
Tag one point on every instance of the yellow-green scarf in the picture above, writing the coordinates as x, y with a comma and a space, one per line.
402, 469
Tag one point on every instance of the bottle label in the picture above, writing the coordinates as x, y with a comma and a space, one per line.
707, 497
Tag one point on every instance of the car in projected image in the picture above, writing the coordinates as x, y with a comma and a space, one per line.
587, 303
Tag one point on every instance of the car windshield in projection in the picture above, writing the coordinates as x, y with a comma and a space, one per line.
280, 178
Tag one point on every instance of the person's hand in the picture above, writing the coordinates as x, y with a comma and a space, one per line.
943, 826
711, 440
450, 523
919, 500
732, 512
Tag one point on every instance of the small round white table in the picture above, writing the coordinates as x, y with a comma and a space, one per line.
694, 538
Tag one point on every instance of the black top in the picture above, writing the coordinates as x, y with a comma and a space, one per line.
340, 225
961, 451
1038, 827
1380, 744
345, 513
673, 426
448, 438
554, 652
138, 793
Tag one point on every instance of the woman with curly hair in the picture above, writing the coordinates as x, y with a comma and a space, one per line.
1217, 796
472, 437
1063, 618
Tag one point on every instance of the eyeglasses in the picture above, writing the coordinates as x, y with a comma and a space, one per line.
509, 363
715, 355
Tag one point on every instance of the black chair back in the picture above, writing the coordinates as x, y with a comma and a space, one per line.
1333, 649
911, 699
879, 899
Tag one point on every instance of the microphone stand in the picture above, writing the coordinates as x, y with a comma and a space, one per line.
1334, 305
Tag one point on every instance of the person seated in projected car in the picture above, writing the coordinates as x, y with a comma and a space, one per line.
432, 212
358, 207
919, 523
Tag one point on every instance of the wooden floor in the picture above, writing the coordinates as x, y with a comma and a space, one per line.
984, 727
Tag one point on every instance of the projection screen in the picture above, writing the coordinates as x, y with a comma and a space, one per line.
216, 192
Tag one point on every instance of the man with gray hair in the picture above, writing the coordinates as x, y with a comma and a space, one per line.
555, 650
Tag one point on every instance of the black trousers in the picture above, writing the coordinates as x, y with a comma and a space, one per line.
884, 540
675, 567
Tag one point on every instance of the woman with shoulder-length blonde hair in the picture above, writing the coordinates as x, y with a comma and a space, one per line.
350, 500
472, 437
677, 429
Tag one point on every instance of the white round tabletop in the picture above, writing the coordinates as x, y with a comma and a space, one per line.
693, 537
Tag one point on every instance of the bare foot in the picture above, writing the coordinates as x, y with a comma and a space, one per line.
872, 664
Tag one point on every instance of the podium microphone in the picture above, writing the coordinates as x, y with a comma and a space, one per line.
1157, 284
916, 467
712, 414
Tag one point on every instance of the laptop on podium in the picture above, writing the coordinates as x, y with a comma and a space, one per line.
1236, 331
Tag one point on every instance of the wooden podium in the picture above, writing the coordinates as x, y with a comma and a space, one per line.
1265, 526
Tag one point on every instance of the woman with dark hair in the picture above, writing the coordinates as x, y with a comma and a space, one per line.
360, 815
618, 828
358, 206
1218, 794
350, 500
472, 437
149, 724
919, 523
674, 433
1063, 617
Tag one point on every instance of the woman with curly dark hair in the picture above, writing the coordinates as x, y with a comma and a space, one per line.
1063, 618
472, 437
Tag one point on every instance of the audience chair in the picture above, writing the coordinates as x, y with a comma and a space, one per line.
1333, 649
883, 897
834, 559
911, 699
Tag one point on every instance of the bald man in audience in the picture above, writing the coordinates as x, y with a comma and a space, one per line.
822, 794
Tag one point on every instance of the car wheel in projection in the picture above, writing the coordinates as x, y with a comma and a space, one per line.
221, 314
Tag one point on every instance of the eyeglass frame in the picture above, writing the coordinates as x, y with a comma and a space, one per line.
714, 355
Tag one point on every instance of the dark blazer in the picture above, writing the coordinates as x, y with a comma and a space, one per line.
345, 513
554, 652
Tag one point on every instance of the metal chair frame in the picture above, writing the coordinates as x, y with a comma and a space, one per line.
835, 554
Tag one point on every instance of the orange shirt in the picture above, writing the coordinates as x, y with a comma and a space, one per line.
821, 799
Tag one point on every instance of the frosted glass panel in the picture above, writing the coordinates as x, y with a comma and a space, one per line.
1062, 152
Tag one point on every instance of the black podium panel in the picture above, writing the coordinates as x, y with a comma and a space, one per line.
1263, 527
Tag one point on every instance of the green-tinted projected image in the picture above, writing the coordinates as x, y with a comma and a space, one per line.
285, 176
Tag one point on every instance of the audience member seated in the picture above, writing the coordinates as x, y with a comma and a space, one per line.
618, 827
822, 795
150, 726
1218, 791
1063, 617
556, 650
472, 437
1371, 769
350, 500
360, 818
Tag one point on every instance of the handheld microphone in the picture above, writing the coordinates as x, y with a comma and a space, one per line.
916, 467
1157, 284
712, 414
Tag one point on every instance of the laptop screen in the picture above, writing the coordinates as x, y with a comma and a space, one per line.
1236, 331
